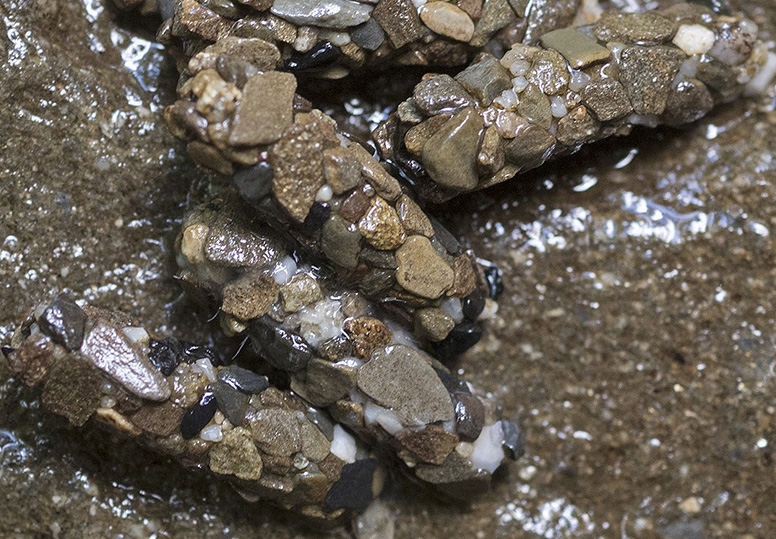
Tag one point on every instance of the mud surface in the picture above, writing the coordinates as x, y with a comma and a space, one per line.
635, 341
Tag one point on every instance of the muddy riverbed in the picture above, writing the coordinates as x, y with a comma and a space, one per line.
634, 342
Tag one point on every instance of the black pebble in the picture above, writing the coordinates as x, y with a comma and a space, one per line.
282, 349
473, 304
64, 322
195, 352
452, 383
321, 57
166, 354
353, 490
514, 440
199, 415
243, 380
254, 183
469, 417
459, 340
318, 215
7, 350
494, 280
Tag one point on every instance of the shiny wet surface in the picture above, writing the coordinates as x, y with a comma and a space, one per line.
634, 342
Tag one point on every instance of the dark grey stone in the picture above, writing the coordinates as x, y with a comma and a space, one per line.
232, 403
353, 490
243, 380
514, 439
326, 13
441, 93
64, 322
368, 35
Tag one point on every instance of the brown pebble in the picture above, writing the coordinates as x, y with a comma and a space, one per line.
341, 169
297, 161
250, 296
413, 219
431, 444
354, 206
381, 226
433, 324
421, 270
266, 109
366, 333
465, 280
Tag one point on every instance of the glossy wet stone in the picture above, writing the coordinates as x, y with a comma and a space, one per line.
441, 93
165, 354
198, 415
469, 417
283, 349
108, 349
243, 380
341, 242
485, 79
381, 226
327, 14
232, 403
450, 154
63, 321
462, 337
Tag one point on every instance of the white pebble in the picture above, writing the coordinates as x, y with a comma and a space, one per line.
211, 433
518, 68
464, 449
488, 452
490, 310
558, 106
343, 445
579, 79
694, 39
284, 270
519, 84
324, 194
507, 100
452, 308
136, 334
205, 367
763, 78
383, 417
321, 321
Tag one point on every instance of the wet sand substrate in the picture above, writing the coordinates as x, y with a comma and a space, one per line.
634, 342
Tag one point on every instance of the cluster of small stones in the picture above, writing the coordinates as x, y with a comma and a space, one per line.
581, 84
331, 37
343, 354
334, 197
177, 399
